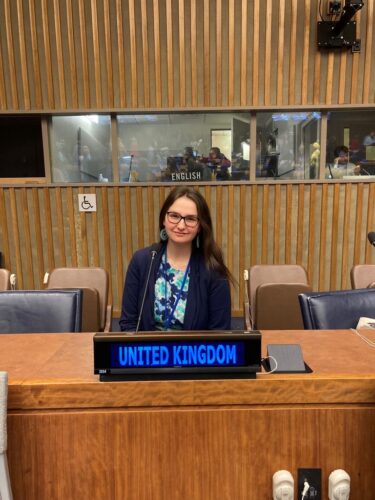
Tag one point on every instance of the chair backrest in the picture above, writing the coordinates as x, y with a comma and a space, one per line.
40, 311
336, 310
4, 279
363, 276
3, 411
276, 274
95, 278
277, 306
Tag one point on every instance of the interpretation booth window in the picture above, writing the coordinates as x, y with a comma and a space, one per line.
288, 145
81, 148
350, 144
183, 147
21, 147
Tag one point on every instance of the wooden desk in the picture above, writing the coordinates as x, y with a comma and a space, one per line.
71, 436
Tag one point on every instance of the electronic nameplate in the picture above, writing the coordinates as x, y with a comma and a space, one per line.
177, 355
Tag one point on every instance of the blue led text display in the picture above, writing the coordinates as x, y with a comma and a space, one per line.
175, 354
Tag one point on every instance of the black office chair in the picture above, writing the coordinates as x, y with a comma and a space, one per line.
336, 310
40, 311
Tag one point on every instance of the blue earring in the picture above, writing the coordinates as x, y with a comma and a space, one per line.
163, 234
197, 241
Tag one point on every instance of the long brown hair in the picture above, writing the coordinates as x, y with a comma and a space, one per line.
210, 250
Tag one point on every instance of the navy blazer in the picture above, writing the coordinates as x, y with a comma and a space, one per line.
208, 305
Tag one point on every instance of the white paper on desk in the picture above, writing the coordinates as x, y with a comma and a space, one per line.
366, 323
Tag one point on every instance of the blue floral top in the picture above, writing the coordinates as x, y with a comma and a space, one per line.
167, 290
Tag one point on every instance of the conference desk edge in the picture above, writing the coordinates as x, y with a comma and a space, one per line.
80, 388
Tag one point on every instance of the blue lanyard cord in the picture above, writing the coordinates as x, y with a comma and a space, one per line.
169, 318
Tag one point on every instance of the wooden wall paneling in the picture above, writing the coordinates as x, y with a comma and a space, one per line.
256, 61
48, 77
231, 52
346, 232
300, 224
83, 244
106, 237
231, 222
118, 284
323, 236
70, 197
276, 223
358, 242
244, 47
219, 214
95, 232
72, 67
108, 52
219, 48
292, 52
38, 261
305, 76
16, 226
169, 38
311, 234
268, 63
4, 232
121, 53
27, 243
280, 53
355, 68
83, 73
96, 55
152, 233
59, 63
342, 81
206, 53
370, 221
128, 218
10, 54
242, 218
36, 75
289, 215
181, 51
3, 97
60, 227
317, 66
140, 217
265, 216
23, 58
254, 224
334, 236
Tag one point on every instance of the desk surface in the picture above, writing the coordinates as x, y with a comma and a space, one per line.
49, 371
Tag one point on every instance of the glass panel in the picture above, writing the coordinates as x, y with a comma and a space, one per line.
350, 143
81, 148
21, 147
288, 145
184, 147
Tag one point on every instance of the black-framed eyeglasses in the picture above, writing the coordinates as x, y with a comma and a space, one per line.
175, 218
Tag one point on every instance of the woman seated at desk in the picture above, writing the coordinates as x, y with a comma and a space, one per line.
341, 165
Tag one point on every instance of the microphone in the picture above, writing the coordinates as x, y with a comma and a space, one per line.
371, 238
153, 255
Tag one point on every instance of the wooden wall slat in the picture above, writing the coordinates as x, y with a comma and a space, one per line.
292, 52
14, 217
280, 53
121, 54
182, 56
305, 56
4, 232
84, 55
268, 63
72, 232
37, 228
219, 69
206, 55
72, 54
314, 236
368, 67
170, 66
22, 49
3, 99
255, 53
108, 54
10, 52
96, 51
243, 59
47, 56
60, 227
231, 51
59, 52
28, 275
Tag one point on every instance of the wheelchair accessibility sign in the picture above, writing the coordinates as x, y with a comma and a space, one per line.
87, 202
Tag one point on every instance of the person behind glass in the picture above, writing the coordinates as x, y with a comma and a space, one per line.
188, 287
341, 164
219, 163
